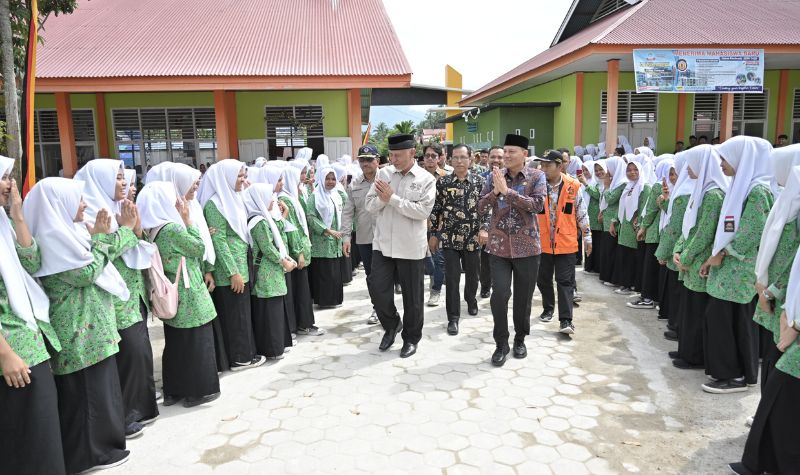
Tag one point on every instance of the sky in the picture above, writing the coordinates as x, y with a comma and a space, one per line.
481, 39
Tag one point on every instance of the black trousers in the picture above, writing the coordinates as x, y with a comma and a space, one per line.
651, 273
300, 300
381, 290
355, 252
772, 446
189, 368
486, 271
30, 435
563, 266
692, 318
731, 340
670, 297
92, 416
524, 271
609, 252
233, 311
135, 367
365, 250
626, 267
590, 262
454, 261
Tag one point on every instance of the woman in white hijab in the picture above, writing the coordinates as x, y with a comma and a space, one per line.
650, 143
600, 246
80, 281
102, 190
693, 248
324, 215
29, 397
271, 257
614, 182
591, 196
189, 360
627, 264
160, 172
592, 150
732, 356
219, 194
343, 180
573, 166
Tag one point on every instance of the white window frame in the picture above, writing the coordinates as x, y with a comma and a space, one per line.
40, 145
740, 122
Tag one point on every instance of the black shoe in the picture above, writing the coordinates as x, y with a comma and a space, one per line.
739, 469
566, 327
671, 335
485, 294
546, 316
519, 350
663, 317
499, 356
134, 430
682, 364
388, 338
472, 308
673, 354
452, 327
171, 400
670, 327
408, 350
725, 386
196, 401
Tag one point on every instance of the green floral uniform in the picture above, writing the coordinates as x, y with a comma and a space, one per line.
195, 307
696, 249
610, 213
672, 232
735, 279
651, 217
626, 231
128, 312
323, 246
231, 250
296, 241
26, 342
594, 207
82, 313
778, 277
270, 281
789, 362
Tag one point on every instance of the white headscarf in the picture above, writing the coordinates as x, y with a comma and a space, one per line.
683, 186
622, 141
291, 182
157, 205
591, 149
160, 172
50, 209
601, 150
579, 150
257, 199
651, 143
218, 186
100, 183
601, 185
646, 151
647, 168
792, 307
130, 179
27, 299
616, 167
786, 161
588, 174
272, 174
260, 162
750, 157
573, 166
304, 153
183, 177
629, 201
705, 163
328, 203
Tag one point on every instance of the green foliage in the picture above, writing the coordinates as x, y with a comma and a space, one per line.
432, 120
405, 127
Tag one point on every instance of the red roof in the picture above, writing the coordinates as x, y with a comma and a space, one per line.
675, 22
145, 38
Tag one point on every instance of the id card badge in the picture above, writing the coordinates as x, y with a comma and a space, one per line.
729, 224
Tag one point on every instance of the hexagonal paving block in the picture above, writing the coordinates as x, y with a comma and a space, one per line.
569, 466
508, 455
485, 441
574, 452
554, 423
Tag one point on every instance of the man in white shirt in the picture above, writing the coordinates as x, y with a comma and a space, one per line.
402, 197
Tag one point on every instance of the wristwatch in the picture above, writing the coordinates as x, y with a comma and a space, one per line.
767, 295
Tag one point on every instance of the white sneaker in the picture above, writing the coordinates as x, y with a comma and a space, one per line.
108, 465
749, 421
257, 361
433, 300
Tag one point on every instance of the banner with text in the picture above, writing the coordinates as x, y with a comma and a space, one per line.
699, 70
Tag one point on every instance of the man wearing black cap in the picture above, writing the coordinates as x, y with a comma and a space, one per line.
355, 210
402, 198
514, 195
564, 210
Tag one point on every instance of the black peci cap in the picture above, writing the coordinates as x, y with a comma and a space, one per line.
401, 142
516, 140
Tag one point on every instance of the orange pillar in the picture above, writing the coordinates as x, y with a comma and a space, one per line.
726, 117
579, 109
612, 89
66, 135
223, 124
230, 114
783, 91
102, 126
680, 129
354, 119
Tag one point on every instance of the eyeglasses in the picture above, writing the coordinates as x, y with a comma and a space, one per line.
431, 155
454, 159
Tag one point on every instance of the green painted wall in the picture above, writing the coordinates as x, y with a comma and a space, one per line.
772, 82
593, 86
250, 110
541, 119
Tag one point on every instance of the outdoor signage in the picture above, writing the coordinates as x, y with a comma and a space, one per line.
699, 70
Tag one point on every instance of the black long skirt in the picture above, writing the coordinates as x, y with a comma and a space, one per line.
220, 352
608, 257
670, 297
269, 325
770, 355
346, 268
92, 416
189, 361
302, 302
772, 446
691, 335
233, 311
30, 435
731, 340
625, 267
135, 367
590, 262
651, 272
326, 281
289, 310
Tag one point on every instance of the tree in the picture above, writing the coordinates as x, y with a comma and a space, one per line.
379, 136
14, 26
432, 120
405, 127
